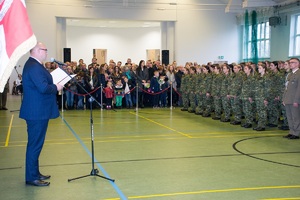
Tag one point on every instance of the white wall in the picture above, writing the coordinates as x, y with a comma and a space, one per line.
121, 43
202, 36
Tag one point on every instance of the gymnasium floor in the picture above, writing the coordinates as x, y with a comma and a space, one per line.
152, 154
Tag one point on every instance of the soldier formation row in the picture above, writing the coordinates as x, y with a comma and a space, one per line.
246, 90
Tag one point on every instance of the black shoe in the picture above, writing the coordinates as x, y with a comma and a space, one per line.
247, 125
38, 183
284, 128
4, 108
235, 123
287, 136
216, 118
44, 177
271, 125
225, 120
260, 129
293, 137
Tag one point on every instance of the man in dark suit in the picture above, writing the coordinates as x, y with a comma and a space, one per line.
38, 106
291, 99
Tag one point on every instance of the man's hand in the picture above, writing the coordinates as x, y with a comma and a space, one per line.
59, 87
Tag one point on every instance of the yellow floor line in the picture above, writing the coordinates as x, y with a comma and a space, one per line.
9, 130
186, 135
209, 191
292, 198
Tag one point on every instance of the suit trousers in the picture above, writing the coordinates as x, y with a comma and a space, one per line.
293, 116
36, 130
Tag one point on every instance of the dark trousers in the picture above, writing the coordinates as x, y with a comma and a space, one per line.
293, 116
36, 130
3, 98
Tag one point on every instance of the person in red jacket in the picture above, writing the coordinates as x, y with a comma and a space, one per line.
109, 94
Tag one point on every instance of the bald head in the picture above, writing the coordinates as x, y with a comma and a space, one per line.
39, 52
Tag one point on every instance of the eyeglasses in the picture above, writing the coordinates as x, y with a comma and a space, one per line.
44, 49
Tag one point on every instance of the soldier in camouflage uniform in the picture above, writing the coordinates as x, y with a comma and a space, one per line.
191, 89
184, 86
260, 96
284, 72
273, 91
234, 92
225, 93
216, 92
199, 96
247, 96
206, 91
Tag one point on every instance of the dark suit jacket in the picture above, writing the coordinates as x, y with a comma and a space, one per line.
292, 93
39, 93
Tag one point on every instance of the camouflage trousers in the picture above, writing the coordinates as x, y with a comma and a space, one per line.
200, 105
217, 106
283, 112
207, 104
273, 111
261, 113
226, 107
248, 111
236, 105
185, 100
192, 99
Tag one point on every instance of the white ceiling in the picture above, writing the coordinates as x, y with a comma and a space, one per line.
229, 6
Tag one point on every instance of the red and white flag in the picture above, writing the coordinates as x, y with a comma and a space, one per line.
16, 36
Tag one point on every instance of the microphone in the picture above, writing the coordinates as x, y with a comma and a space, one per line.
57, 62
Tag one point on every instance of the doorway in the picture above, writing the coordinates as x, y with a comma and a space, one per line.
101, 55
153, 54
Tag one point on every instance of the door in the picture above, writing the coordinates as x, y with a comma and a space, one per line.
153, 54
101, 55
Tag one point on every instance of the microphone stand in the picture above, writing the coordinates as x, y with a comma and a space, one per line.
94, 171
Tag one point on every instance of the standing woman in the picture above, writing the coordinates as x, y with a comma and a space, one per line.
199, 96
216, 92
184, 91
172, 82
235, 92
92, 83
101, 82
142, 78
247, 96
116, 74
206, 91
273, 91
71, 90
191, 89
260, 97
225, 93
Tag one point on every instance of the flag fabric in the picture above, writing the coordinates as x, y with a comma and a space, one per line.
16, 36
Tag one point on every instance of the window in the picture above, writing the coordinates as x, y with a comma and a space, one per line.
295, 36
262, 41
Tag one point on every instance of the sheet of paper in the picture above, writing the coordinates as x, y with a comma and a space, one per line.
60, 77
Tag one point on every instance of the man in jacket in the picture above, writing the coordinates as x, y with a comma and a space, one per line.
38, 106
291, 99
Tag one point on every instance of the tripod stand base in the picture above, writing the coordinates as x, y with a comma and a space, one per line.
94, 172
